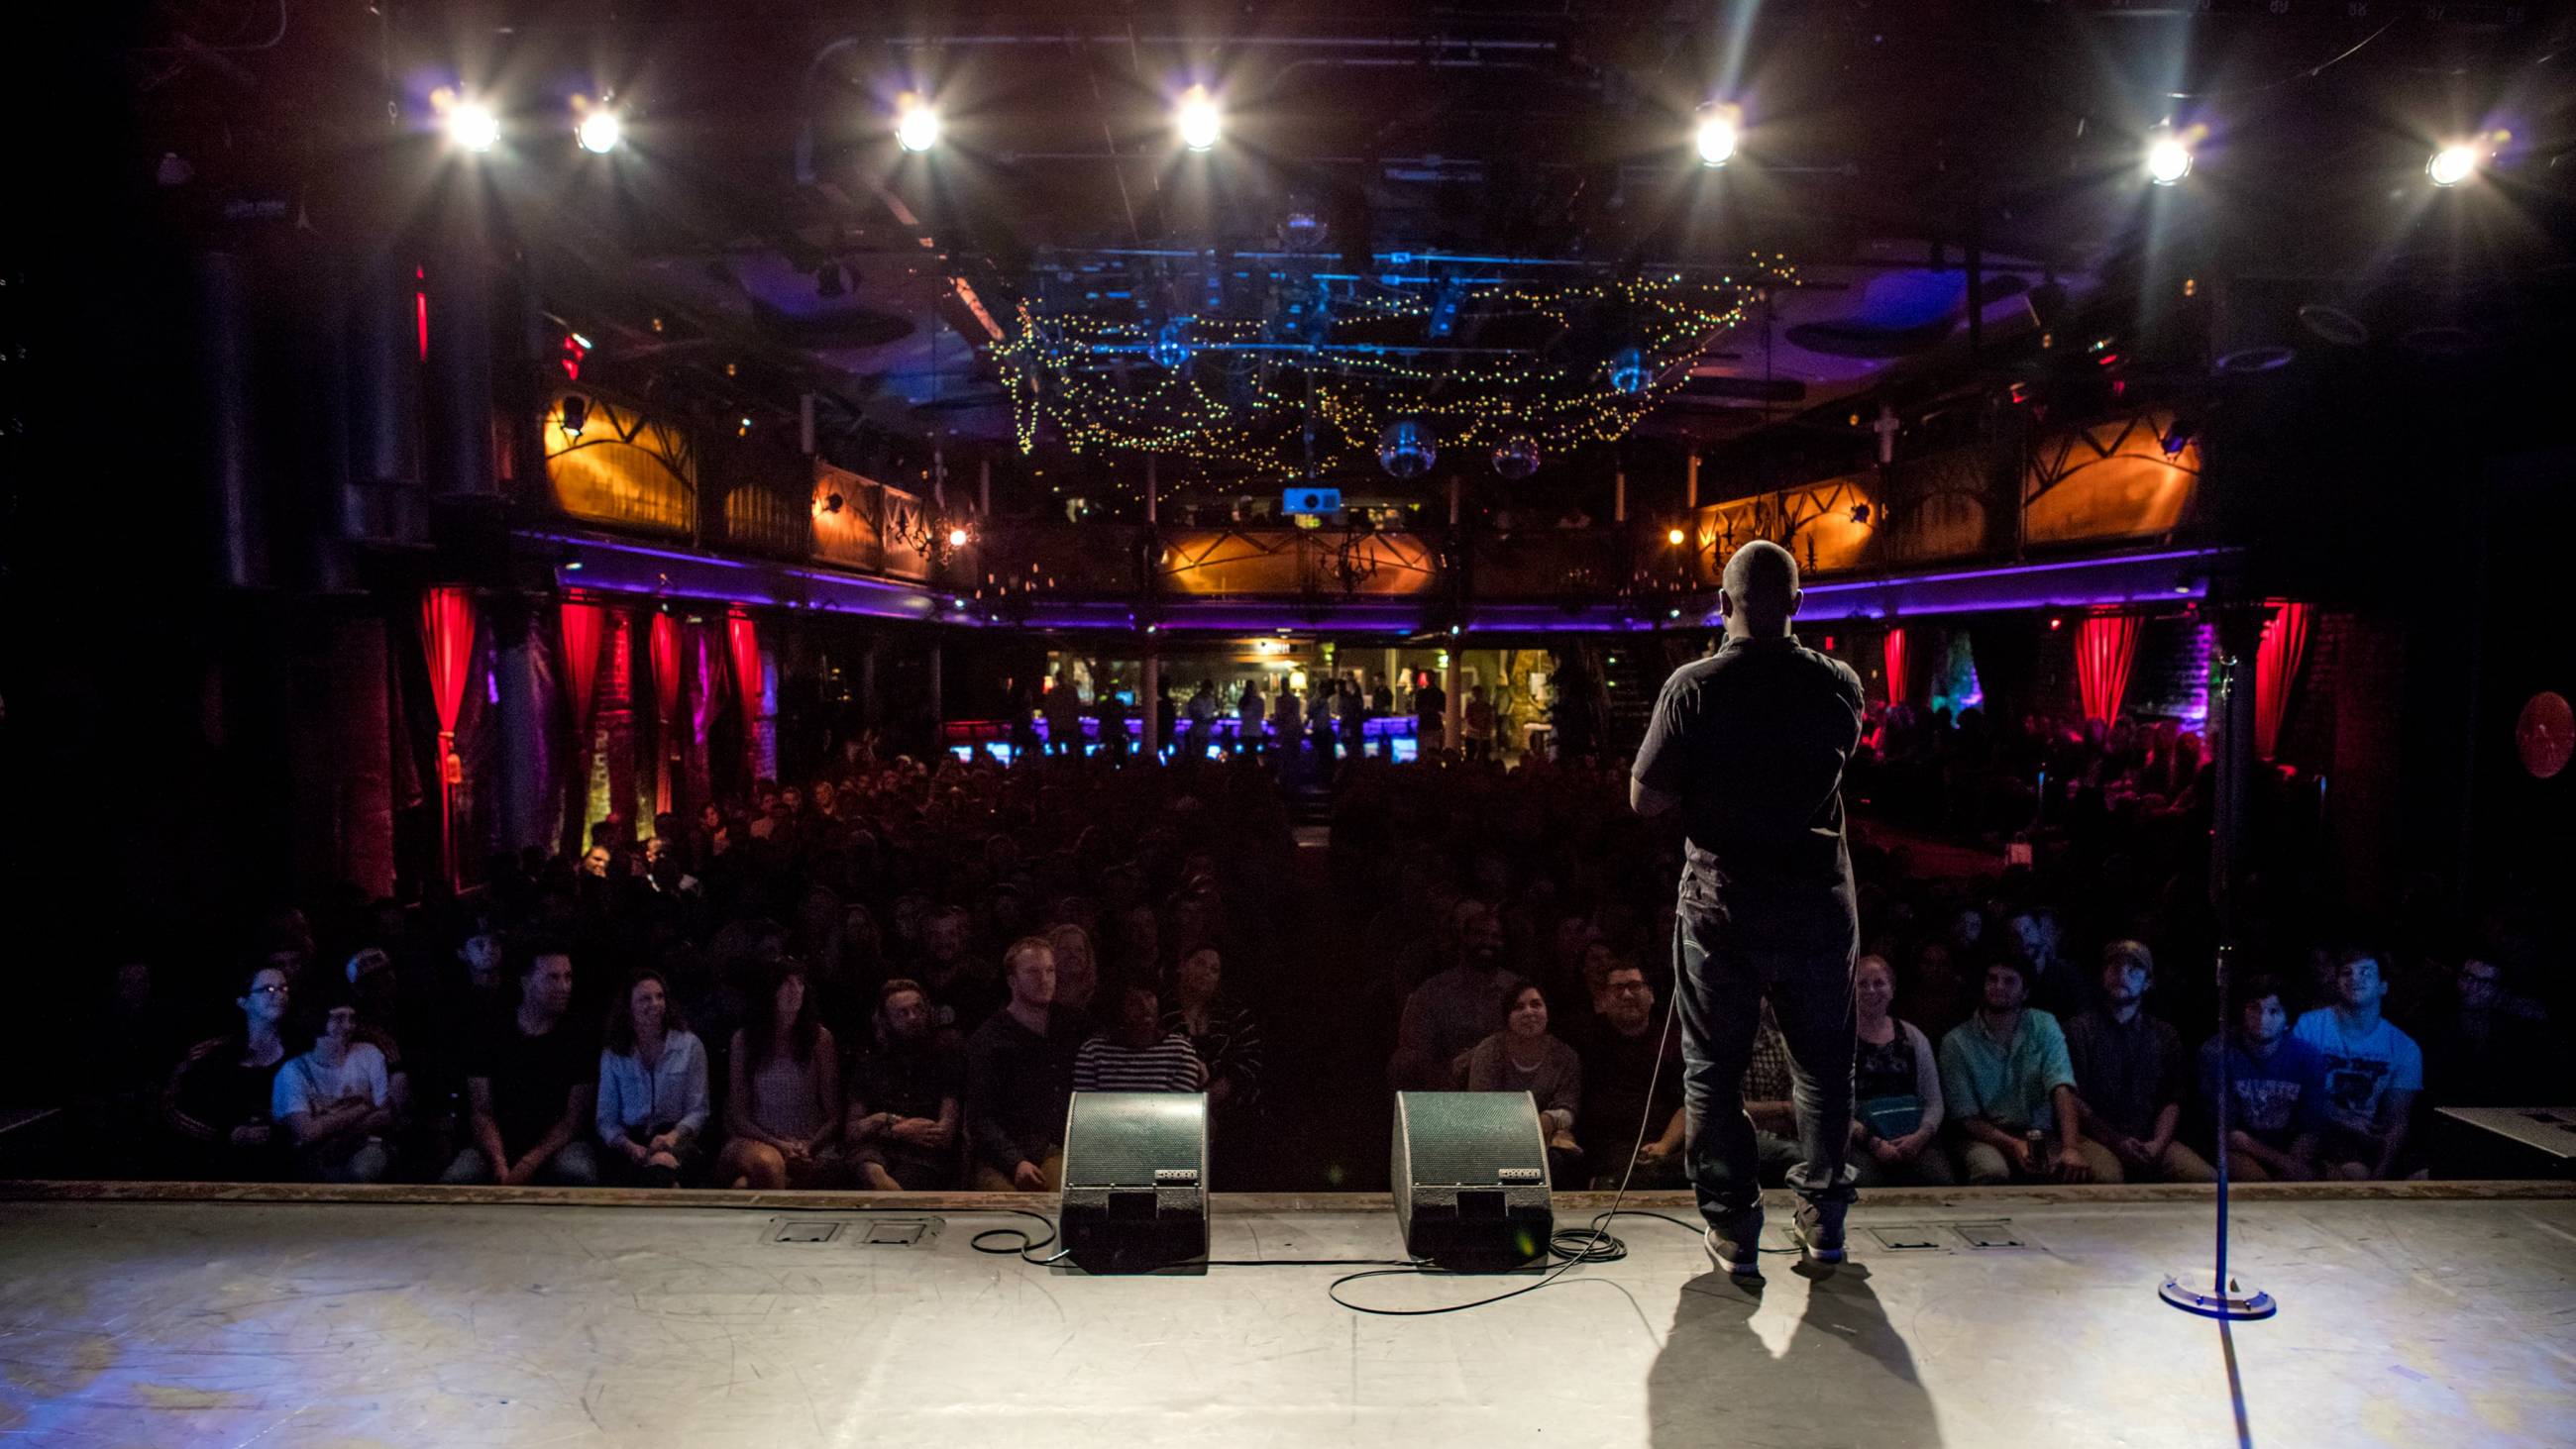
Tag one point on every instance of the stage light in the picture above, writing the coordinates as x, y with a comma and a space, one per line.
957, 538
834, 503
2452, 165
1718, 123
1197, 119
574, 415
2168, 158
472, 125
1673, 536
599, 132
916, 124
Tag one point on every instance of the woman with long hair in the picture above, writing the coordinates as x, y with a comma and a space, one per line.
784, 1109
653, 1104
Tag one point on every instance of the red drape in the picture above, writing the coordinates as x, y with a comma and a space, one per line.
666, 704
702, 712
1896, 666
742, 638
2276, 667
2105, 646
447, 637
584, 625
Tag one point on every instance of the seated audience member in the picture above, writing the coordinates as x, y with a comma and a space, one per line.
964, 991
1077, 971
2486, 1053
1019, 1079
1896, 1090
2129, 1074
335, 1104
529, 1089
907, 1097
373, 990
222, 1096
1631, 1051
653, 1104
1136, 1053
2056, 985
2009, 1088
1223, 1031
1449, 1014
1769, 1089
2276, 1091
2373, 1071
783, 1109
1524, 1057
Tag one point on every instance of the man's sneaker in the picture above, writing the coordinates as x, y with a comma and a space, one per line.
1735, 1248
1819, 1229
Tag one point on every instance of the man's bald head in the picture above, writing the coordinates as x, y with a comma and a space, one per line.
1761, 590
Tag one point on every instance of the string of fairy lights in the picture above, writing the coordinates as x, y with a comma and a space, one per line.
1240, 395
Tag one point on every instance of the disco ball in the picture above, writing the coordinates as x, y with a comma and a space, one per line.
1171, 345
1405, 449
1516, 457
1629, 371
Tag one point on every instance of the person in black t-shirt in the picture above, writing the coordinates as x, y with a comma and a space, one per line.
907, 1096
1749, 745
219, 1096
1629, 1047
531, 1081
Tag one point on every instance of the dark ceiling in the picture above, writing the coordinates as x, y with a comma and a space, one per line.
761, 237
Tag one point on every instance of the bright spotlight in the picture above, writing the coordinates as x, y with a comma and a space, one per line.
2452, 165
956, 538
916, 125
472, 125
1717, 133
599, 132
2168, 158
1197, 119
1673, 536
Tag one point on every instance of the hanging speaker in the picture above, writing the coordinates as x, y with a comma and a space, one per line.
1470, 1176
1135, 1182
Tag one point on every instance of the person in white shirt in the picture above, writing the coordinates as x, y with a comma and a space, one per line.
653, 1105
336, 1104
2373, 1072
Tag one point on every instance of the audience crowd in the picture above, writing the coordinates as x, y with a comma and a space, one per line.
893, 976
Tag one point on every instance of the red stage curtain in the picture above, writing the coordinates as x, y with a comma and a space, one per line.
1896, 666
2105, 646
447, 637
742, 637
666, 703
2276, 667
584, 625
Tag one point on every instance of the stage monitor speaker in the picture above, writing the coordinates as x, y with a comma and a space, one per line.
1135, 1182
1470, 1176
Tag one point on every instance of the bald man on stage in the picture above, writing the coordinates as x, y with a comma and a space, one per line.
1749, 745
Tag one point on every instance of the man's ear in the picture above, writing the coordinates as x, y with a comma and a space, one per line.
1725, 605
1796, 597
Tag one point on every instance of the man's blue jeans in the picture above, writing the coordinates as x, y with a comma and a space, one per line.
1727, 958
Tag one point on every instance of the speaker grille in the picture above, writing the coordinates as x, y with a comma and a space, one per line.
1121, 1139
1469, 1138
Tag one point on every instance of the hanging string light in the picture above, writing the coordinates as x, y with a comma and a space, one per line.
1235, 393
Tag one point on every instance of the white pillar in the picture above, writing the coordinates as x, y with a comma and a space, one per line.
1619, 496
1151, 489
1149, 701
984, 487
1690, 486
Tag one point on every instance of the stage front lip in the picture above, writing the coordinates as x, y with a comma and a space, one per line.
625, 566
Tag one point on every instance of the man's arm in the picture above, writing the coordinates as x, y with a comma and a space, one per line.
567, 1126
1648, 801
486, 1127
2397, 1109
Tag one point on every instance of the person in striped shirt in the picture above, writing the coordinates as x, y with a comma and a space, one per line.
1136, 1054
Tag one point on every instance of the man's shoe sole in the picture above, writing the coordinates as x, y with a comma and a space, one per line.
1746, 1268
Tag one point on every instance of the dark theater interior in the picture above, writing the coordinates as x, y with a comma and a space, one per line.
1128, 721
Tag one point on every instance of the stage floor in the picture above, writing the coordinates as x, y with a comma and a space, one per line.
2403, 1321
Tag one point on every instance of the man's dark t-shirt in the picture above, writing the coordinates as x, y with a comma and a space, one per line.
1753, 741
911, 1080
1616, 1068
531, 1076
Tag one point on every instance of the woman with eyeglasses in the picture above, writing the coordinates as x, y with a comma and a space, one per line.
220, 1096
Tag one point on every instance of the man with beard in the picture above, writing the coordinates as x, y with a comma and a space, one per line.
1631, 1050
1447, 1015
1749, 745
906, 1096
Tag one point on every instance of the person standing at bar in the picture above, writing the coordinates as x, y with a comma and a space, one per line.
1749, 745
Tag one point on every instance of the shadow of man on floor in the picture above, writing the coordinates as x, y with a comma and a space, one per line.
1845, 1377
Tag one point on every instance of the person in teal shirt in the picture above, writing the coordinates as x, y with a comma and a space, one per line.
2005, 1072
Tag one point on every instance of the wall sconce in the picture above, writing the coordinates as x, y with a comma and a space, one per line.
573, 413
